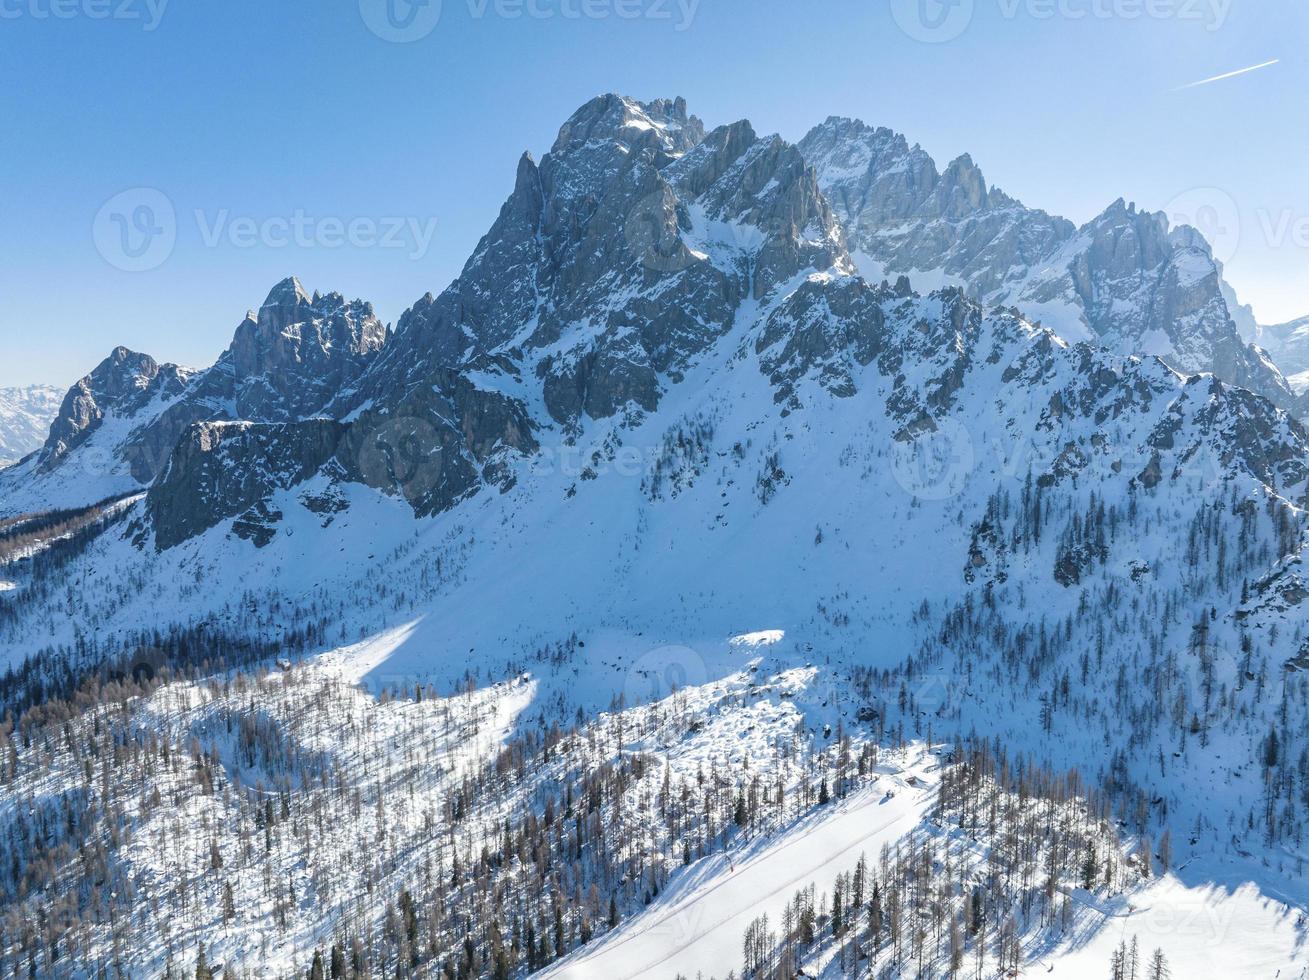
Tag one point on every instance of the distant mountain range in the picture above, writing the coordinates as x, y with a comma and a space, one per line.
1288, 345
25, 417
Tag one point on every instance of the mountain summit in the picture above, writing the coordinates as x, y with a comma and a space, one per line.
1125, 280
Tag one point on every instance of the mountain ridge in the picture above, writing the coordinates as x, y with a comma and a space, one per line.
1125, 278
663, 497
25, 417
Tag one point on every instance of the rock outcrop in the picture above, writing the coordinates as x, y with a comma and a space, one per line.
122, 386
286, 362
1125, 280
219, 470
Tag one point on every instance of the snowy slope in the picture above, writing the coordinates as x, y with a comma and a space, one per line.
1288, 345
681, 443
25, 416
697, 926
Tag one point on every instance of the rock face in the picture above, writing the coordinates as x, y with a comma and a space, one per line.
907, 217
222, 469
1125, 279
1288, 346
285, 363
641, 249
618, 259
122, 386
25, 418
626, 251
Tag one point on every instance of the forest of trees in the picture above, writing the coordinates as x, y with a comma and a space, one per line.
223, 814
965, 892
189, 799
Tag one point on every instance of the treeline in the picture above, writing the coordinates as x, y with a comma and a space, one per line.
264, 805
25, 532
267, 804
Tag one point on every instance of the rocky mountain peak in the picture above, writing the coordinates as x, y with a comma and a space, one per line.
634, 247
961, 190
628, 248
287, 294
1124, 240
286, 363
120, 385
1125, 278
871, 176
852, 144
662, 126
290, 329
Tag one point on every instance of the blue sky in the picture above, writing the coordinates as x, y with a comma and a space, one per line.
250, 118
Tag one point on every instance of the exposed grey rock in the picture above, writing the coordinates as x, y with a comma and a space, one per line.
1288, 346
122, 385
614, 263
906, 217
287, 362
826, 330
221, 469
446, 442
1125, 278
631, 251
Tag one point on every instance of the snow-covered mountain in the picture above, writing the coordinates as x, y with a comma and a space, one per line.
25, 417
664, 546
1288, 345
1126, 279
117, 427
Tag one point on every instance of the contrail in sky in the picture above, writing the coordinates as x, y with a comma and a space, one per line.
1230, 74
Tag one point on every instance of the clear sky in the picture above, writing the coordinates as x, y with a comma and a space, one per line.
298, 137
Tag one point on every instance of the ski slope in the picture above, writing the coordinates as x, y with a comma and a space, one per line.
698, 924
